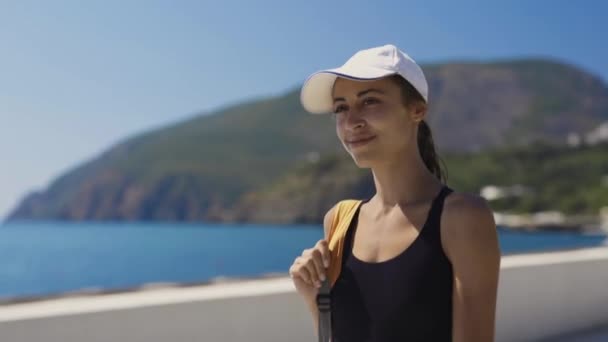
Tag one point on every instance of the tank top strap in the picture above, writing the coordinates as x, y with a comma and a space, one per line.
432, 226
348, 239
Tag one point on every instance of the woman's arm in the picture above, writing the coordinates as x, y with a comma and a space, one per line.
470, 240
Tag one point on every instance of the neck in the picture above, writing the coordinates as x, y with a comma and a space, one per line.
404, 181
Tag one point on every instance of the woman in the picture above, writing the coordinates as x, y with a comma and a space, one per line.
420, 261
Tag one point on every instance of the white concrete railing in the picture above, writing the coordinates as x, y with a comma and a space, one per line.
543, 295
540, 295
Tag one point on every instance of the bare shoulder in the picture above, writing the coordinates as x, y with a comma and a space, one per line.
467, 221
463, 207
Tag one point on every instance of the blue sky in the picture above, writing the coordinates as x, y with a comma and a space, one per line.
77, 77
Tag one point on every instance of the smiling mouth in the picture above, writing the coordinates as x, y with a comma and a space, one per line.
360, 142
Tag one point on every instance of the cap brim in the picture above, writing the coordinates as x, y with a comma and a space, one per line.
315, 95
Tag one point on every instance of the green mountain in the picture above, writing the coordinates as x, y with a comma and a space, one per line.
214, 166
573, 180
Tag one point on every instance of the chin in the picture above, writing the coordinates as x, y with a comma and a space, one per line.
363, 160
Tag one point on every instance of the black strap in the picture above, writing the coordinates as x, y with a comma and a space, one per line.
324, 307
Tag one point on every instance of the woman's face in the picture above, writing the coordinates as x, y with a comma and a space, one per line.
372, 121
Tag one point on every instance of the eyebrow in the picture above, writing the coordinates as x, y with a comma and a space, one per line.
361, 93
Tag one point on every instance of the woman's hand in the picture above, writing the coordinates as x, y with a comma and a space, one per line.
309, 269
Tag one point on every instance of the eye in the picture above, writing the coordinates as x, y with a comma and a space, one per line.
339, 109
370, 101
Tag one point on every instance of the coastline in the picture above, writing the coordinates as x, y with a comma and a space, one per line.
93, 292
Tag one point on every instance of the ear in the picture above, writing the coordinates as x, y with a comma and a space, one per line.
418, 111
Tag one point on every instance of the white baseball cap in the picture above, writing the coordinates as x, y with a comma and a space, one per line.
365, 65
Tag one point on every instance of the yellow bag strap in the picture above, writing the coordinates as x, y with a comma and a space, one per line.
343, 215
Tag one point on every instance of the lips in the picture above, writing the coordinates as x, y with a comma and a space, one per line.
359, 140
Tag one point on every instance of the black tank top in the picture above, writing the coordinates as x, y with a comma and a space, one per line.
406, 298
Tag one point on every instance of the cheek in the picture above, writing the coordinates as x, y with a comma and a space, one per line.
339, 133
383, 119
395, 133
386, 114
341, 128
338, 130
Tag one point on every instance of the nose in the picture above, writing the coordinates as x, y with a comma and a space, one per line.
353, 120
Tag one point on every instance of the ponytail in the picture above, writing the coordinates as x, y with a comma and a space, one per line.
426, 146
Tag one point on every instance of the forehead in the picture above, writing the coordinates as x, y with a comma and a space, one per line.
344, 87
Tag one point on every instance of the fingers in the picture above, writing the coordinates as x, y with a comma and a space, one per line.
312, 264
313, 273
323, 247
306, 271
317, 264
299, 270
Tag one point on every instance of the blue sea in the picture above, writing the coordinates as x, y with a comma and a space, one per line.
39, 259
